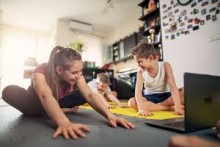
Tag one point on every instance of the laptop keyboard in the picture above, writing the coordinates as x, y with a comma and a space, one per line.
179, 124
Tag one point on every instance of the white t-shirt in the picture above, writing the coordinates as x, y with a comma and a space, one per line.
94, 87
158, 84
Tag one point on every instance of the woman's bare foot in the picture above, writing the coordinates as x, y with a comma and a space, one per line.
70, 110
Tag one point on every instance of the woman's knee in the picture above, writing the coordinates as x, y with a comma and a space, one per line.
7, 92
25, 102
132, 103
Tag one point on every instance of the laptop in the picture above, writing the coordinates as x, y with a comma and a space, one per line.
202, 105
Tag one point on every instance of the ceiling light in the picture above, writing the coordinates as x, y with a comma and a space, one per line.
109, 6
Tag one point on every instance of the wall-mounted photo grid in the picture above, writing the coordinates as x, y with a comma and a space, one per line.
180, 20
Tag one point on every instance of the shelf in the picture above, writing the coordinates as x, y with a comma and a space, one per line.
121, 48
152, 21
115, 44
156, 44
157, 29
115, 50
123, 59
150, 14
143, 3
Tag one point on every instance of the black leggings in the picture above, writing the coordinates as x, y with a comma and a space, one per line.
27, 101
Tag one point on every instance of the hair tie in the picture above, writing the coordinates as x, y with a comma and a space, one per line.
59, 48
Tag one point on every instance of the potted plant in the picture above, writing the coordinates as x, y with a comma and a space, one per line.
77, 45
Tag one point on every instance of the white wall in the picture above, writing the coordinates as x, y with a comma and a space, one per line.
192, 52
94, 41
1, 57
1, 52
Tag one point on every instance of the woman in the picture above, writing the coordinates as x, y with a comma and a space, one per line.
59, 84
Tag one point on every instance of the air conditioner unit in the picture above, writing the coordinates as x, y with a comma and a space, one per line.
77, 25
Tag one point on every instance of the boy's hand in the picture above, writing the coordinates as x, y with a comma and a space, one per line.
144, 113
115, 121
179, 110
111, 107
123, 105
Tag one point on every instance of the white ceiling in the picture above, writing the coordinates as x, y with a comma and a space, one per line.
41, 15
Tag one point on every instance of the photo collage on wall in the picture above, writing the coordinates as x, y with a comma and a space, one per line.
179, 20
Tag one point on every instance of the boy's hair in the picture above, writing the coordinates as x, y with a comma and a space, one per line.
62, 57
103, 77
143, 50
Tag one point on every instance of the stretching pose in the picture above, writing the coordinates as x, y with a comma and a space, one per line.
59, 85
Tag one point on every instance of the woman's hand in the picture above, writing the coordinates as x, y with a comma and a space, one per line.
73, 130
143, 112
115, 121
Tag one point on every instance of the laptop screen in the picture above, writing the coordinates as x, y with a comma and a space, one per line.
202, 100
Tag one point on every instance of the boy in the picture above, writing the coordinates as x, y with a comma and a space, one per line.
101, 87
160, 91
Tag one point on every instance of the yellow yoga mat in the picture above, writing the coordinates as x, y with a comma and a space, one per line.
159, 115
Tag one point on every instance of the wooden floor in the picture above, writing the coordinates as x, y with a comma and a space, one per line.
17, 130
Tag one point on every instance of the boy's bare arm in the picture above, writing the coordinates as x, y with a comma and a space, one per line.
138, 96
114, 99
138, 89
103, 99
171, 82
173, 88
